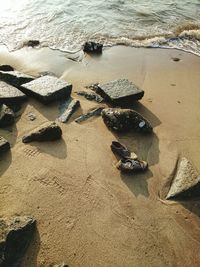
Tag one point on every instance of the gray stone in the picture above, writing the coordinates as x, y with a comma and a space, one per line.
94, 112
47, 132
15, 78
47, 89
90, 96
71, 106
186, 182
10, 94
16, 234
125, 119
4, 145
7, 116
120, 91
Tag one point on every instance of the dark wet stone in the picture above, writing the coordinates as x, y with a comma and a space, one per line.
94, 112
186, 183
16, 234
125, 119
15, 78
90, 96
94, 87
4, 146
120, 91
47, 89
6, 68
176, 59
71, 106
10, 94
92, 48
7, 116
33, 43
48, 132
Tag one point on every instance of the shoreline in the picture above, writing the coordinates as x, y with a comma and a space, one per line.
88, 214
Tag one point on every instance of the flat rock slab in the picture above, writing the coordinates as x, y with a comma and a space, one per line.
4, 145
47, 132
94, 112
7, 116
15, 78
186, 182
16, 234
71, 106
47, 89
10, 94
120, 91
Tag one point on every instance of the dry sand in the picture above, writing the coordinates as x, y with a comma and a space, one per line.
88, 214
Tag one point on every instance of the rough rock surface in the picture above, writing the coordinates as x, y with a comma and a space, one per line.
48, 132
6, 68
120, 91
90, 96
10, 94
15, 236
47, 89
186, 182
92, 48
15, 78
71, 106
125, 119
7, 116
4, 145
94, 112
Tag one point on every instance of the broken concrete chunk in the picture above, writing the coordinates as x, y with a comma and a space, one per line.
10, 94
47, 89
48, 132
7, 116
90, 96
186, 182
4, 145
91, 113
16, 234
120, 91
71, 106
15, 78
6, 68
125, 119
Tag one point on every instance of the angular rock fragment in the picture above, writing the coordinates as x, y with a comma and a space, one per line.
15, 78
10, 94
125, 119
33, 43
48, 132
4, 145
92, 48
6, 68
120, 91
90, 96
47, 89
94, 112
16, 234
71, 106
7, 116
186, 182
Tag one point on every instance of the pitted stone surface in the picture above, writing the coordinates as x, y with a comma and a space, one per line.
15, 78
9, 93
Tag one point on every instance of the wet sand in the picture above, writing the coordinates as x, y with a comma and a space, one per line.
87, 212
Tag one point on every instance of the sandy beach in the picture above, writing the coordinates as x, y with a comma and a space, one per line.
88, 213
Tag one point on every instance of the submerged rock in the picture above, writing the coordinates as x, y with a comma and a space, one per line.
6, 68
16, 234
92, 48
7, 116
33, 43
90, 96
186, 182
48, 132
4, 145
94, 112
120, 91
47, 89
125, 119
71, 106
15, 78
10, 94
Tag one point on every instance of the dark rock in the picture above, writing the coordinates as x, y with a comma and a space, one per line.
125, 119
92, 48
90, 96
120, 91
94, 112
16, 234
4, 145
6, 68
7, 116
186, 183
47, 89
71, 106
15, 78
94, 87
33, 43
10, 94
48, 132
